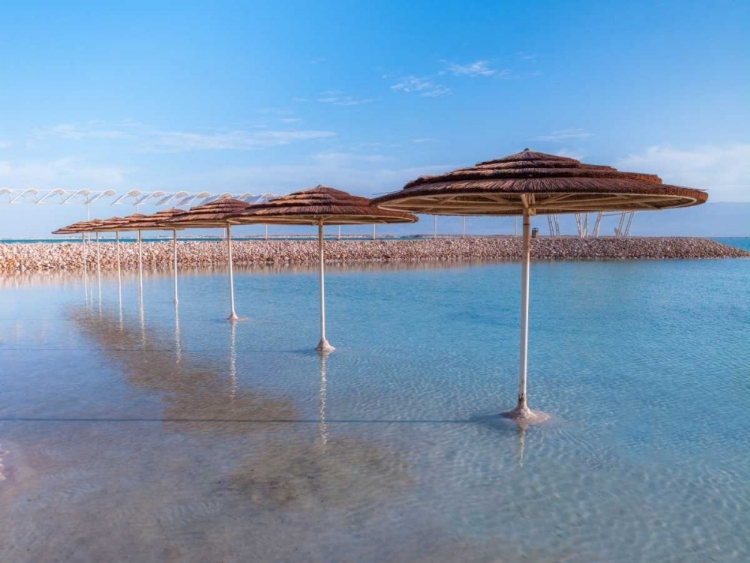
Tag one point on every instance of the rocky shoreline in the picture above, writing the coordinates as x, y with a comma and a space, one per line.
65, 256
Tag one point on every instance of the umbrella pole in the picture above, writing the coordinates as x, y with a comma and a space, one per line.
323, 345
232, 315
522, 413
85, 272
98, 270
140, 269
119, 272
174, 257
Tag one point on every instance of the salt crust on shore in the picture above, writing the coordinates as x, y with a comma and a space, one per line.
68, 256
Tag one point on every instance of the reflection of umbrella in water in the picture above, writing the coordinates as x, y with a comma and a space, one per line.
340, 472
196, 394
319, 206
214, 215
531, 183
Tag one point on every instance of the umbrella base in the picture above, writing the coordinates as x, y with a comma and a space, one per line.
324, 346
523, 415
233, 318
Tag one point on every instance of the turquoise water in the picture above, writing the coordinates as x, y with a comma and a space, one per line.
161, 438
743, 243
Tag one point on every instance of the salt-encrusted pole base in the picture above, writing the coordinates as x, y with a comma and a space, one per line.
523, 415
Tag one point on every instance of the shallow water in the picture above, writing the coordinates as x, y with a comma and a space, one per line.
160, 438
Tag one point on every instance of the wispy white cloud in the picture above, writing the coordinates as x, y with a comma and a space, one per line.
722, 170
339, 98
563, 135
85, 131
526, 56
171, 141
5, 144
69, 172
571, 153
362, 177
344, 158
477, 68
424, 86
317, 60
151, 140
421, 140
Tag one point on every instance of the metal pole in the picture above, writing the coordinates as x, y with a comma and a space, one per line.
265, 232
98, 270
522, 413
174, 253
85, 269
373, 231
140, 270
515, 226
338, 236
434, 226
119, 272
323, 345
523, 358
463, 226
232, 315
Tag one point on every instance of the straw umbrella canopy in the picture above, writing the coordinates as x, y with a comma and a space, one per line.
320, 206
532, 183
214, 214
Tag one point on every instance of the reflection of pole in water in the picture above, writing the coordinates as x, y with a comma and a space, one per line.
119, 273
521, 438
140, 268
233, 362
322, 426
177, 344
174, 258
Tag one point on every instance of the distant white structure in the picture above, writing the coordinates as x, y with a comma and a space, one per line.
132, 197
582, 224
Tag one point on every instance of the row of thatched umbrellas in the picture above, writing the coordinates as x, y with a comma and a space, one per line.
527, 183
318, 206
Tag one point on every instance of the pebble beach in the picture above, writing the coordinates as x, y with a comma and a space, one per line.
67, 256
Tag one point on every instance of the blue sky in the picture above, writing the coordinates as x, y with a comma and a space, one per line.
363, 96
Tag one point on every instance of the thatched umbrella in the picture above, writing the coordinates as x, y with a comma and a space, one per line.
531, 183
214, 215
319, 206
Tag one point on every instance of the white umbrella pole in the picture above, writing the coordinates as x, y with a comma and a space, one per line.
174, 257
98, 269
140, 268
323, 345
524, 354
85, 271
119, 271
232, 315
522, 413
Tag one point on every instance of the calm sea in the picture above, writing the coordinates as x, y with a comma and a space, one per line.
148, 435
